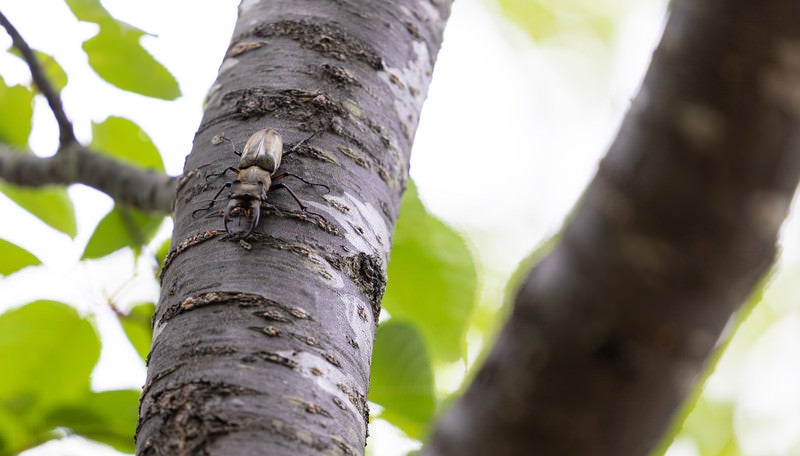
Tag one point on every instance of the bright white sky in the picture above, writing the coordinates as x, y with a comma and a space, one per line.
510, 135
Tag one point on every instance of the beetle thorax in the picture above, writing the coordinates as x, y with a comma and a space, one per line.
254, 175
251, 188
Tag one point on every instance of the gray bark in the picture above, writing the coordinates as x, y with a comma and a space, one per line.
263, 346
610, 331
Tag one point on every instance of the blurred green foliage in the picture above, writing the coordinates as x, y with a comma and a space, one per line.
48, 354
550, 19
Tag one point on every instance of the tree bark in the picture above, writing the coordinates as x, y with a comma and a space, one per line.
263, 346
609, 332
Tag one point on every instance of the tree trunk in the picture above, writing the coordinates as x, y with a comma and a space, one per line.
263, 346
610, 331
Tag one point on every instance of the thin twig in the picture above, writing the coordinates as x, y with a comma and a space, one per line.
66, 133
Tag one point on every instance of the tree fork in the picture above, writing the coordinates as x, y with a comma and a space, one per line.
264, 346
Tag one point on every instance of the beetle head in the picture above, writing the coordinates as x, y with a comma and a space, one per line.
241, 216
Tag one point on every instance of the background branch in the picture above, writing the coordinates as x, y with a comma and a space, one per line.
149, 191
610, 331
66, 133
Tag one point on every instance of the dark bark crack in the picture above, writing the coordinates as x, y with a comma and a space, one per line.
329, 39
366, 272
189, 428
316, 110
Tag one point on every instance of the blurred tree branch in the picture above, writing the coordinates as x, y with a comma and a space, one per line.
610, 331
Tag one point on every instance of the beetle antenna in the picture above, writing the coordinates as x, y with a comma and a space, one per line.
302, 141
221, 137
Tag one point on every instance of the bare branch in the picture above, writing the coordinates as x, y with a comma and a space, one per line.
149, 191
66, 133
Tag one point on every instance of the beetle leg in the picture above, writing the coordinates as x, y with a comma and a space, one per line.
299, 203
230, 168
282, 175
213, 200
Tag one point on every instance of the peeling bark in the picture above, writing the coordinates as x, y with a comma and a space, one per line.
610, 331
263, 346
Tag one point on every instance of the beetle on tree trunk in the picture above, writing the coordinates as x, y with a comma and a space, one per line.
259, 161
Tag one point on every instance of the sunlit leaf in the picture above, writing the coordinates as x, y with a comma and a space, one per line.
432, 279
89, 11
118, 57
401, 379
546, 19
52, 205
710, 426
126, 141
122, 227
108, 417
162, 252
137, 324
54, 73
16, 111
48, 352
14, 434
13, 258
537, 19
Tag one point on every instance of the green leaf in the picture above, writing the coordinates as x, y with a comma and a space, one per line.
16, 111
126, 141
108, 417
52, 70
14, 435
162, 252
401, 379
48, 354
535, 18
432, 279
122, 227
710, 426
89, 11
116, 55
52, 205
137, 325
15, 258
546, 19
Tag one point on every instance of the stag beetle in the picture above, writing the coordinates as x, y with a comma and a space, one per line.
259, 160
